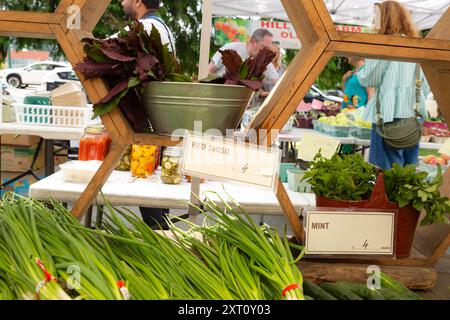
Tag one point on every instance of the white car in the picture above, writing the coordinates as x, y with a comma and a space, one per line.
58, 77
29, 75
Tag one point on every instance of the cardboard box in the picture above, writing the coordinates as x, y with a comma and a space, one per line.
19, 140
19, 158
21, 186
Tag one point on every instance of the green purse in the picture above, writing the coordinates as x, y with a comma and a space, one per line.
402, 133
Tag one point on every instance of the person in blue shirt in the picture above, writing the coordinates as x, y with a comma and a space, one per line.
355, 95
395, 84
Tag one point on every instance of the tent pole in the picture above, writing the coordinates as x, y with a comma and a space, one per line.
207, 8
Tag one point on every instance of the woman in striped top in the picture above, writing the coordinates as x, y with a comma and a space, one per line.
395, 84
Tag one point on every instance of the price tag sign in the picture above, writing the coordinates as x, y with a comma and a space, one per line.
311, 143
446, 148
338, 232
225, 159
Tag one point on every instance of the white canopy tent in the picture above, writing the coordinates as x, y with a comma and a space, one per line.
358, 12
353, 12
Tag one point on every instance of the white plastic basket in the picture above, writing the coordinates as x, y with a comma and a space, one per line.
52, 115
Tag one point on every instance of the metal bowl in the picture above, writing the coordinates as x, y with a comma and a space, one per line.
173, 107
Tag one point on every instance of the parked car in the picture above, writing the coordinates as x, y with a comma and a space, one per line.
57, 77
29, 75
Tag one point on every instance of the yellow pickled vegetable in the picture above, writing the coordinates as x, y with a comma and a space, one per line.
143, 161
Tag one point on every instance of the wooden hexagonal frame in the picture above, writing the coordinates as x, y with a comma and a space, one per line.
320, 42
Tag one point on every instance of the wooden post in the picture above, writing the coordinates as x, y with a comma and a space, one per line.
205, 38
99, 179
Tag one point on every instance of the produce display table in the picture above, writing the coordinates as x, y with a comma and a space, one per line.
296, 135
48, 134
122, 189
45, 132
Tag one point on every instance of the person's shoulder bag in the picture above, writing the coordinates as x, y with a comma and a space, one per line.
402, 133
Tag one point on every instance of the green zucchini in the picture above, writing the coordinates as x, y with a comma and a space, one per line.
341, 293
362, 290
316, 292
390, 294
389, 283
308, 297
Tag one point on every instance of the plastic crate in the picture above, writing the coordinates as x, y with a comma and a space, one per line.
363, 133
326, 128
341, 132
317, 125
52, 115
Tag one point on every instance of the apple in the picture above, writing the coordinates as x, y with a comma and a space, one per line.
441, 161
430, 158
446, 157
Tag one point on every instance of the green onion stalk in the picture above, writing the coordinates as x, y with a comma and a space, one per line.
21, 250
239, 249
183, 274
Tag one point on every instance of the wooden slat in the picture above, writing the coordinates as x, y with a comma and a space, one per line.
92, 12
101, 176
302, 14
440, 29
413, 278
95, 88
63, 5
297, 98
438, 77
385, 51
428, 238
114, 121
325, 17
434, 240
285, 89
395, 41
153, 139
30, 17
290, 212
26, 30
410, 262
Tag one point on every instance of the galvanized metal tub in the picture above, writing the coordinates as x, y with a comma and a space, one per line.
172, 106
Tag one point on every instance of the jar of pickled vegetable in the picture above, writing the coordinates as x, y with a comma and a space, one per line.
95, 144
125, 161
170, 164
143, 161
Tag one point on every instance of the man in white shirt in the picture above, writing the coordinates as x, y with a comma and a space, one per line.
261, 38
145, 12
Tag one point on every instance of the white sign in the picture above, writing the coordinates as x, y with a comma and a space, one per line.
312, 143
219, 158
350, 233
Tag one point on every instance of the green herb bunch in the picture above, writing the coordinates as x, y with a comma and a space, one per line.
350, 178
407, 187
341, 178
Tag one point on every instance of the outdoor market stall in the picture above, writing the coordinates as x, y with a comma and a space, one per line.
320, 41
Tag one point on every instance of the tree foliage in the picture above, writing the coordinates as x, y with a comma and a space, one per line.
183, 17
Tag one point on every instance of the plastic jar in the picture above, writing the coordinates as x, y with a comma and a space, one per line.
170, 164
95, 144
144, 160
